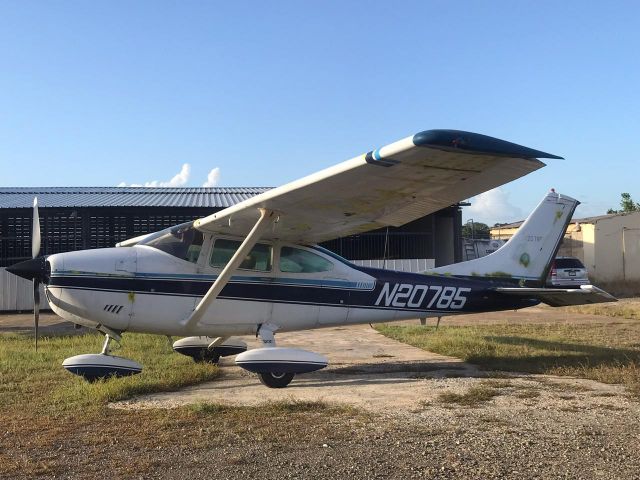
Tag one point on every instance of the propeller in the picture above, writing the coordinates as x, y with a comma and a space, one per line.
35, 251
36, 269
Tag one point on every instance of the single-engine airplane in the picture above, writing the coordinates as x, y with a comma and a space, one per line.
254, 268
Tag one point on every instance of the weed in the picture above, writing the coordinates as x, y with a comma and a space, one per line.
471, 398
497, 383
528, 393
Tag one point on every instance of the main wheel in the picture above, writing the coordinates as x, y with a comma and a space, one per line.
275, 379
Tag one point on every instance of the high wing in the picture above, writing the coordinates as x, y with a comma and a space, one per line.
562, 297
390, 186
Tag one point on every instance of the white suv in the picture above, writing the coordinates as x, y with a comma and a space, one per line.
567, 272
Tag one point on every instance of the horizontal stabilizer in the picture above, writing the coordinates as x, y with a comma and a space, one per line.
562, 297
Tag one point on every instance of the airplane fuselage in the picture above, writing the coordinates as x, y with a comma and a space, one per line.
143, 289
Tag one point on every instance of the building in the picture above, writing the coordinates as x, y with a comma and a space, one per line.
608, 245
78, 218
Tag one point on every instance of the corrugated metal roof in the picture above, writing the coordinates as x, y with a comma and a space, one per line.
212, 197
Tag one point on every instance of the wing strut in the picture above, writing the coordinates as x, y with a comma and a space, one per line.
266, 219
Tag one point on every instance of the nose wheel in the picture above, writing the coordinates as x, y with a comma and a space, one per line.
275, 379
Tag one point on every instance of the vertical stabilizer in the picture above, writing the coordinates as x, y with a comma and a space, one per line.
529, 253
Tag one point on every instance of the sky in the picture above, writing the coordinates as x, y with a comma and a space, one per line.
239, 93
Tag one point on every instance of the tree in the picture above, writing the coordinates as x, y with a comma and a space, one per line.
626, 205
480, 230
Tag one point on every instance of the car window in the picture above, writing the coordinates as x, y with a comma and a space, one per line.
296, 260
568, 263
259, 258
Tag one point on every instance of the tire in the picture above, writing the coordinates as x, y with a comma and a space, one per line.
276, 380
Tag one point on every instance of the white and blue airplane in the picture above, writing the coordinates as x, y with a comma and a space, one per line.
255, 268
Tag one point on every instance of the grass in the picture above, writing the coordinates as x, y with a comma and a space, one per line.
54, 422
623, 309
39, 376
608, 353
270, 408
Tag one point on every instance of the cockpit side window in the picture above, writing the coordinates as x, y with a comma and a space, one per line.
259, 258
296, 260
182, 241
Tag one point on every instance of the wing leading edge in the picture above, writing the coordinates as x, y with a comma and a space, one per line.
389, 186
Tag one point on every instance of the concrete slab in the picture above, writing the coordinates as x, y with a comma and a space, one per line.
50, 324
366, 369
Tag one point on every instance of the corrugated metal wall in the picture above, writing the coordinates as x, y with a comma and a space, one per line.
17, 293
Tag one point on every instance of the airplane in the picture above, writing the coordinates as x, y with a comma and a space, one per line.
255, 267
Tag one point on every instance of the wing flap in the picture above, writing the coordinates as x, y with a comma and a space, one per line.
554, 297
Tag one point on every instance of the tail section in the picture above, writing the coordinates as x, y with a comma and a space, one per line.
528, 254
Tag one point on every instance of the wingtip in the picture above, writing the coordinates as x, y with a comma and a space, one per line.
476, 143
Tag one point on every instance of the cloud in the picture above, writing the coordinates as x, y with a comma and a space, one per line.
178, 180
212, 178
492, 207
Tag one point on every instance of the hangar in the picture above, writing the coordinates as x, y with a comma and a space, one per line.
78, 218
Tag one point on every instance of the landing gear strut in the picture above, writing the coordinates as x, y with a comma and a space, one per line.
105, 346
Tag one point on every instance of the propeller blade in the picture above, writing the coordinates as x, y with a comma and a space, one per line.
35, 230
36, 308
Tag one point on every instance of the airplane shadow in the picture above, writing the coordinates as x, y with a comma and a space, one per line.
543, 357
384, 368
385, 373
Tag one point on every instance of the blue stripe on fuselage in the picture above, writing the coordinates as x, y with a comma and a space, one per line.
391, 291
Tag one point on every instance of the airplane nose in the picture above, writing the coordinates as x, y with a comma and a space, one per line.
34, 269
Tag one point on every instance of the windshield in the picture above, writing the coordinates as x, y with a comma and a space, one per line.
182, 241
326, 251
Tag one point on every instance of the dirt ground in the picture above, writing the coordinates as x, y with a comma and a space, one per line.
533, 426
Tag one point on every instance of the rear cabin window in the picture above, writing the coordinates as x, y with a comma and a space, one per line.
568, 263
296, 260
259, 258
